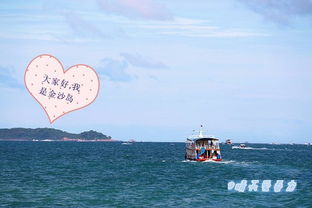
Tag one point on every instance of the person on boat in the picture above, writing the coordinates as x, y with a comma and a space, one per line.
202, 150
209, 143
213, 144
218, 156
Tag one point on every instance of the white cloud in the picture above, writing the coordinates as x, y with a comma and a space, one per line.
214, 33
8, 78
281, 11
143, 61
188, 27
114, 69
144, 9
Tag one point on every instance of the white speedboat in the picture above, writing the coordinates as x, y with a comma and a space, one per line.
241, 146
126, 143
131, 141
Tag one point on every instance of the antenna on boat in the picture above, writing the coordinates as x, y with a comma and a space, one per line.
201, 131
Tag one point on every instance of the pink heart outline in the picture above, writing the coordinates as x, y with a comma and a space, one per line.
64, 72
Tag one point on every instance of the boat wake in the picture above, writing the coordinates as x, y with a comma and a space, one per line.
220, 162
212, 161
260, 148
189, 161
226, 162
251, 148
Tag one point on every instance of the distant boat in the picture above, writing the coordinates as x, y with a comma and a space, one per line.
131, 141
202, 148
228, 141
241, 146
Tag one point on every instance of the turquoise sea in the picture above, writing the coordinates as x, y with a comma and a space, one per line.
72, 174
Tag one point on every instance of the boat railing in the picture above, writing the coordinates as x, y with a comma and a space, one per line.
208, 146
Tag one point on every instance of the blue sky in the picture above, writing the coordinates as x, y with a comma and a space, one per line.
241, 68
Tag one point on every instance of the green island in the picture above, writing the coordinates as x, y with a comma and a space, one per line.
50, 134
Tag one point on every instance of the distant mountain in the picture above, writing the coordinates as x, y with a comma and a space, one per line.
48, 133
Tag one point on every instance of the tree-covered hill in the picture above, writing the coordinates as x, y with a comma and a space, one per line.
47, 133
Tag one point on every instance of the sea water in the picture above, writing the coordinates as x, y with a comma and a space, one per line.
103, 174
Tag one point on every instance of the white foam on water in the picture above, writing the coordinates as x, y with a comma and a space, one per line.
252, 148
212, 161
260, 148
220, 162
189, 161
227, 161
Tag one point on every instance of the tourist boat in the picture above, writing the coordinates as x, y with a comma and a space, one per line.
201, 147
241, 146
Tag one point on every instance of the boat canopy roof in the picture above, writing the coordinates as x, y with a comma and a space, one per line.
205, 138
